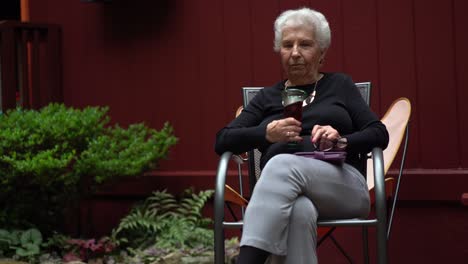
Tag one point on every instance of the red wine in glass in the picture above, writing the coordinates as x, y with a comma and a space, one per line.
294, 110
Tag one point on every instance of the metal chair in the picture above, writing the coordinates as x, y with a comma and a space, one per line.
377, 185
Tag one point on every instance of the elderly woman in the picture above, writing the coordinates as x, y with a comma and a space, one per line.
294, 191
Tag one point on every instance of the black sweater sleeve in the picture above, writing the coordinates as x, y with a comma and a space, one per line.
369, 132
247, 131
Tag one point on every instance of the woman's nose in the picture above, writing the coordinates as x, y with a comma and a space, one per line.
295, 50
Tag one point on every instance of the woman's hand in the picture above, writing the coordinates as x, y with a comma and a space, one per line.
324, 136
284, 130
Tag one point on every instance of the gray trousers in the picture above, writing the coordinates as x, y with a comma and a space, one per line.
291, 194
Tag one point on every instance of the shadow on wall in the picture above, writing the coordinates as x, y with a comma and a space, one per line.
127, 20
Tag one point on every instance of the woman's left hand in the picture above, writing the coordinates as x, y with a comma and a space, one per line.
324, 132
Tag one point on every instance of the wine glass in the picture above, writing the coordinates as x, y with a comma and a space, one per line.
292, 102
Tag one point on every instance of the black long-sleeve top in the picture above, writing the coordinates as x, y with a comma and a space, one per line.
337, 103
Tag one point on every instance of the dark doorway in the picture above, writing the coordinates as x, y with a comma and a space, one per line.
10, 10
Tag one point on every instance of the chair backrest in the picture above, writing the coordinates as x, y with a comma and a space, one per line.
365, 90
248, 93
396, 120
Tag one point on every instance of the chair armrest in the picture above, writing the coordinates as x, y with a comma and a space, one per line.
221, 174
219, 205
379, 180
380, 202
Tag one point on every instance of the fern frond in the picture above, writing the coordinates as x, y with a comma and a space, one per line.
167, 222
161, 201
139, 219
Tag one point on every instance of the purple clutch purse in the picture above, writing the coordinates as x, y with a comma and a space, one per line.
336, 157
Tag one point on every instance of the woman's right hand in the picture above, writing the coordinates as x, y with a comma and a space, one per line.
283, 130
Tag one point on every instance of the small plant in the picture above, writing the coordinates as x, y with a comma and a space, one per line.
163, 224
22, 243
232, 247
85, 249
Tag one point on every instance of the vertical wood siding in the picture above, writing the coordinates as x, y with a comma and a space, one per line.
185, 62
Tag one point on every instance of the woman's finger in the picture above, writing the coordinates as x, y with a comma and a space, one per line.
325, 132
291, 122
317, 133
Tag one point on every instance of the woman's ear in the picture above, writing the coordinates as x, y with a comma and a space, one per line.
322, 57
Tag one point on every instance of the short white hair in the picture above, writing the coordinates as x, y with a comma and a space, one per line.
299, 17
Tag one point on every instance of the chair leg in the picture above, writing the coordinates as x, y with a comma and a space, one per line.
340, 248
219, 242
232, 212
329, 232
382, 244
381, 233
365, 244
380, 206
397, 188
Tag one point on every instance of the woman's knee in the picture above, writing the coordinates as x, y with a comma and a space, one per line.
304, 212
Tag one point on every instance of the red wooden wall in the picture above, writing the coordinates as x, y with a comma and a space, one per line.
185, 61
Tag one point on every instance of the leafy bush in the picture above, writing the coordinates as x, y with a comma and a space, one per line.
49, 158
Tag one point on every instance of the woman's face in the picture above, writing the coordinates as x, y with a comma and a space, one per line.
300, 53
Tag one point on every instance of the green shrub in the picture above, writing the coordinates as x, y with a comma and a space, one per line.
51, 157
